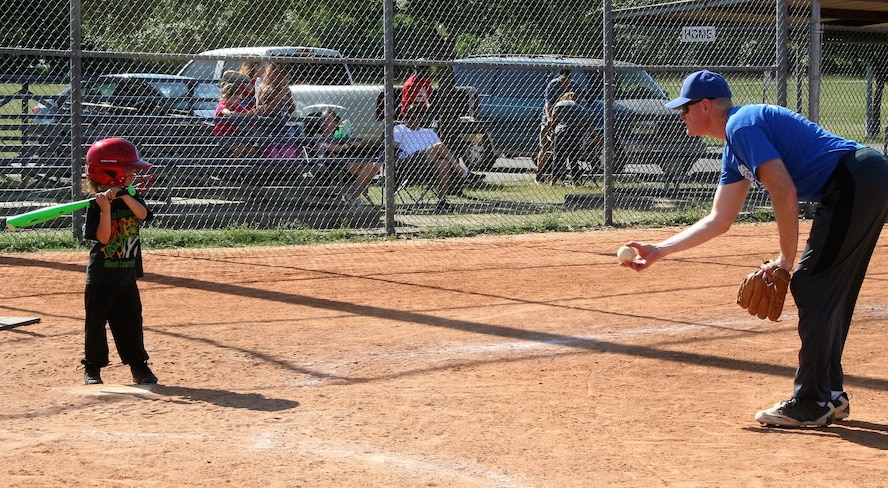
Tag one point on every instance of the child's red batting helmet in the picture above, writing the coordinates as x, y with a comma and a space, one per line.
107, 158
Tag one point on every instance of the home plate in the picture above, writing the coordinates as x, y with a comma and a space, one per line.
11, 322
112, 389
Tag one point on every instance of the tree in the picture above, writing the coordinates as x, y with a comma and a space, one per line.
42, 26
497, 26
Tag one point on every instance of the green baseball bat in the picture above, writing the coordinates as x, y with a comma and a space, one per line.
41, 215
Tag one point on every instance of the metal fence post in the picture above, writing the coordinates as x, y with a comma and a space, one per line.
389, 107
815, 38
76, 117
782, 60
609, 163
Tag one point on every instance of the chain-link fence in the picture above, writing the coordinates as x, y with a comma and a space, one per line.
285, 114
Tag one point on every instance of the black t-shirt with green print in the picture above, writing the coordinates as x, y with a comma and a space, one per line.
119, 261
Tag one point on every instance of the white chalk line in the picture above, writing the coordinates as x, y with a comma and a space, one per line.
422, 466
106, 435
428, 466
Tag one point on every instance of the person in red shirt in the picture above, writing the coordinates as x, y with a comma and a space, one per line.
417, 90
230, 107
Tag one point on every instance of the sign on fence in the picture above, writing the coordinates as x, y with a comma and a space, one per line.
698, 34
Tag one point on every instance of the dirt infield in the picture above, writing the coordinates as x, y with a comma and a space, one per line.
516, 361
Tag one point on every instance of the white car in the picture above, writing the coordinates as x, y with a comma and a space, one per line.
210, 65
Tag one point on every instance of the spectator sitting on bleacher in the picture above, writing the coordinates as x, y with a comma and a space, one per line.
230, 107
324, 124
275, 101
421, 152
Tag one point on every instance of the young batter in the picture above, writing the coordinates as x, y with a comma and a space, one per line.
115, 260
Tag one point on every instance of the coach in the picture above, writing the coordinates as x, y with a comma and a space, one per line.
792, 159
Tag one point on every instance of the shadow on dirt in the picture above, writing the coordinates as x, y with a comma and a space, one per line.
860, 432
224, 398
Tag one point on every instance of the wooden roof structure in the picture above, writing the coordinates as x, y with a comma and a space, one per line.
854, 13
837, 17
844, 13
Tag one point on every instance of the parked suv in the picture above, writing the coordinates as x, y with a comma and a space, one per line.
511, 98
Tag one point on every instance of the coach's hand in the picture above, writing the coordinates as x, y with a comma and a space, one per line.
648, 254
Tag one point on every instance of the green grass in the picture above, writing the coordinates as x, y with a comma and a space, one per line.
63, 239
34, 240
558, 221
15, 106
241, 237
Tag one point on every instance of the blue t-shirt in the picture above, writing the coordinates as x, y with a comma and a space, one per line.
760, 133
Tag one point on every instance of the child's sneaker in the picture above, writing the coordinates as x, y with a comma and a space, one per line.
92, 375
142, 374
842, 406
797, 412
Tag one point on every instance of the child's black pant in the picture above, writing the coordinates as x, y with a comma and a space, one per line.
120, 306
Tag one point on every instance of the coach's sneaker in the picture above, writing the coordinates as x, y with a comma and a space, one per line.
142, 374
797, 412
842, 406
92, 375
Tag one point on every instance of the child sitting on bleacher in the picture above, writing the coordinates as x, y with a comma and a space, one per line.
230, 107
324, 124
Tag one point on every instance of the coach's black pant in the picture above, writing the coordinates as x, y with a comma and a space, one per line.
826, 284
119, 306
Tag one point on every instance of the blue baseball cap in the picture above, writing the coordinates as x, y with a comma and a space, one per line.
701, 84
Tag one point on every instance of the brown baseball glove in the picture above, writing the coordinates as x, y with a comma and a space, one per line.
763, 292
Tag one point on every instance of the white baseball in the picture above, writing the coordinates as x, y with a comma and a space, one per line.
626, 254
